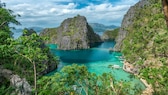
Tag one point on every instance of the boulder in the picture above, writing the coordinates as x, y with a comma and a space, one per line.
22, 87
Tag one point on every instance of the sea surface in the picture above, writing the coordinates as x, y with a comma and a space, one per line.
97, 60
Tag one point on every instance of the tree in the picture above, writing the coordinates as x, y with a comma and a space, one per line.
25, 53
165, 10
146, 43
6, 17
76, 80
30, 48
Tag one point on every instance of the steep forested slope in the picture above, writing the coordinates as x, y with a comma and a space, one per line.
146, 44
110, 34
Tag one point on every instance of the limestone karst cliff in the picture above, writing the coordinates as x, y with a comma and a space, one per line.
73, 33
143, 40
110, 34
51, 33
128, 21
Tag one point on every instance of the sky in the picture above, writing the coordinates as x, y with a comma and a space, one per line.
50, 13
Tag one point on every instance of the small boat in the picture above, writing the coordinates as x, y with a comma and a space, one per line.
115, 66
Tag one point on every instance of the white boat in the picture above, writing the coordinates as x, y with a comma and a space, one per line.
115, 66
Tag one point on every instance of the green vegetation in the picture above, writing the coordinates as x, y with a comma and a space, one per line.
97, 27
72, 28
6, 17
111, 34
76, 80
146, 44
26, 56
49, 33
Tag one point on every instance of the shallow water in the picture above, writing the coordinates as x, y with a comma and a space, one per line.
96, 59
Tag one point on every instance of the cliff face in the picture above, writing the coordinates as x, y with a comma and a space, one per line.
143, 36
51, 33
128, 21
145, 42
110, 34
21, 86
74, 33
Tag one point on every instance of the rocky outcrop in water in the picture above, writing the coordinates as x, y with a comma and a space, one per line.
128, 21
74, 33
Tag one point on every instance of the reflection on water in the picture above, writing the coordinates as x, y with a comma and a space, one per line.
99, 53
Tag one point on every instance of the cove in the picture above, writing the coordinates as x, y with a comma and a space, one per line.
97, 60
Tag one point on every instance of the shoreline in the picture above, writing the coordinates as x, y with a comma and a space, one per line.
131, 69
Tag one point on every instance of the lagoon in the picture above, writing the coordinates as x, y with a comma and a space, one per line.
97, 59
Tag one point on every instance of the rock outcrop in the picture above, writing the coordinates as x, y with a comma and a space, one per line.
51, 33
22, 87
128, 21
73, 33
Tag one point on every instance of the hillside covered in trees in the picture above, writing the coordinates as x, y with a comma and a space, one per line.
143, 41
25, 60
146, 42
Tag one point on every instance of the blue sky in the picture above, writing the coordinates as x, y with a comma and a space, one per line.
50, 13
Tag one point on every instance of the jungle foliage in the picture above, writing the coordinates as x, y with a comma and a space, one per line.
146, 45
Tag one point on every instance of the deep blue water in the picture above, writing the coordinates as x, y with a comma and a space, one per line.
86, 56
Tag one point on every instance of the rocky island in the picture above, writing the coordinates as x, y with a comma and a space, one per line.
73, 33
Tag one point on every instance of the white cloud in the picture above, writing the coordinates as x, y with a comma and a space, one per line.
50, 13
128, 2
52, 10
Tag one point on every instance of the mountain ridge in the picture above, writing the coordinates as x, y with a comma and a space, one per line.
98, 27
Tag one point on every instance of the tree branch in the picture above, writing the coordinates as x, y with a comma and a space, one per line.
24, 56
34, 68
3, 23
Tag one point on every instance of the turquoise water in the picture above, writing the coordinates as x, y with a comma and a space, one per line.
96, 59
